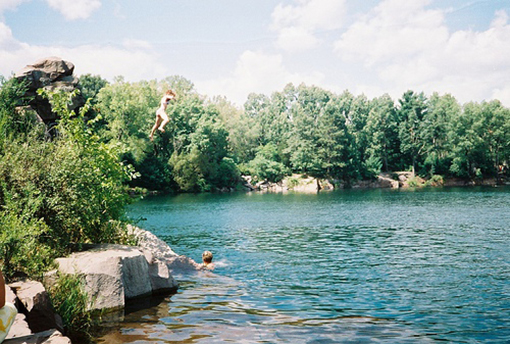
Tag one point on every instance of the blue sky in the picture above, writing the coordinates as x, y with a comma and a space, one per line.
235, 47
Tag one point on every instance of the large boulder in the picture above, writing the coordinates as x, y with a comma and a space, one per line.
116, 273
50, 73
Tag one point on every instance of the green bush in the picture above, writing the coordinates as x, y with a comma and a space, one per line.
55, 193
373, 166
292, 182
414, 182
71, 302
435, 180
266, 165
21, 250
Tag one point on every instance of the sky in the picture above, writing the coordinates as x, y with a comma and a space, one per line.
235, 47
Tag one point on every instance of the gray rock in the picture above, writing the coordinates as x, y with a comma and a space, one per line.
115, 273
149, 242
19, 328
51, 73
9, 295
51, 68
159, 250
46, 337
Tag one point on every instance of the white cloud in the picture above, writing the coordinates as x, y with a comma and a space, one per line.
255, 72
408, 46
136, 44
502, 94
9, 4
108, 61
75, 9
7, 41
296, 24
394, 30
296, 38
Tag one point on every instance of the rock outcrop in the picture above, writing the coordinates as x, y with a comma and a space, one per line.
161, 252
50, 73
34, 303
116, 273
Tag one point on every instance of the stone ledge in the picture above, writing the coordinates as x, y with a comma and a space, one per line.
46, 337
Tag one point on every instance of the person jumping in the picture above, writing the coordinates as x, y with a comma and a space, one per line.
161, 115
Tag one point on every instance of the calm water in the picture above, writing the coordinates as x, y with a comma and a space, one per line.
342, 267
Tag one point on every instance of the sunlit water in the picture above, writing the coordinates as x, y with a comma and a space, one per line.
341, 267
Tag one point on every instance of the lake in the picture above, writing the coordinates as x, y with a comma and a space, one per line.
355, 266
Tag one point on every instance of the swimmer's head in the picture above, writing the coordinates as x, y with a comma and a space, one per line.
207, 257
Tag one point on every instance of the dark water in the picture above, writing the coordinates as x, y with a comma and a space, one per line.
342, 267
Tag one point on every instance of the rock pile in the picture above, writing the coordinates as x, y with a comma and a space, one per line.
36, 321
112, 274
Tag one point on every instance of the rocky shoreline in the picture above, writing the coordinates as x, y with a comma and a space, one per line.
392, 180
112, 274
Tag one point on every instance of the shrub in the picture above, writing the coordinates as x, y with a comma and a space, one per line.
435, 180
373, 166
414, 182
71, 302
56, 193
292, 182
20, 248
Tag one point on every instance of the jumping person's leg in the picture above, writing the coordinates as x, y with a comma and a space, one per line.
165, 121
158, 122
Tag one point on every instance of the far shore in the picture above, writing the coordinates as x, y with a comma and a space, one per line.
305, 184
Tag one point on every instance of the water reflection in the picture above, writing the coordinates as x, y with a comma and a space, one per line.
214, 310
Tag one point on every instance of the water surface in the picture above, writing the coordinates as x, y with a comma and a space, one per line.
354, 266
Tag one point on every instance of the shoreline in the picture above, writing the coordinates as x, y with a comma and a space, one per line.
303, 184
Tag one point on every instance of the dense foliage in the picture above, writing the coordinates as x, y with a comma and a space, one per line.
347, 138
302, 129
54, 193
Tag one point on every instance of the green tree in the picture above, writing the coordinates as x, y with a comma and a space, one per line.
479, 140
129, 112
200, 148
412, 109
266, 166
382, 131
91, 85
241, 128
304, 144
357, 110
437, 123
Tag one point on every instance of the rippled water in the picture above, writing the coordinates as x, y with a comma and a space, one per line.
341, 267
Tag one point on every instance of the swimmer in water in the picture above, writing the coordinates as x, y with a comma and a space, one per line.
207, 258
161, 115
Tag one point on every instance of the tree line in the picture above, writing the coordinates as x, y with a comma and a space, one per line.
210, 143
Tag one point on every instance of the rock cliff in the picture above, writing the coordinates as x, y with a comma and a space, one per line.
50, 73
